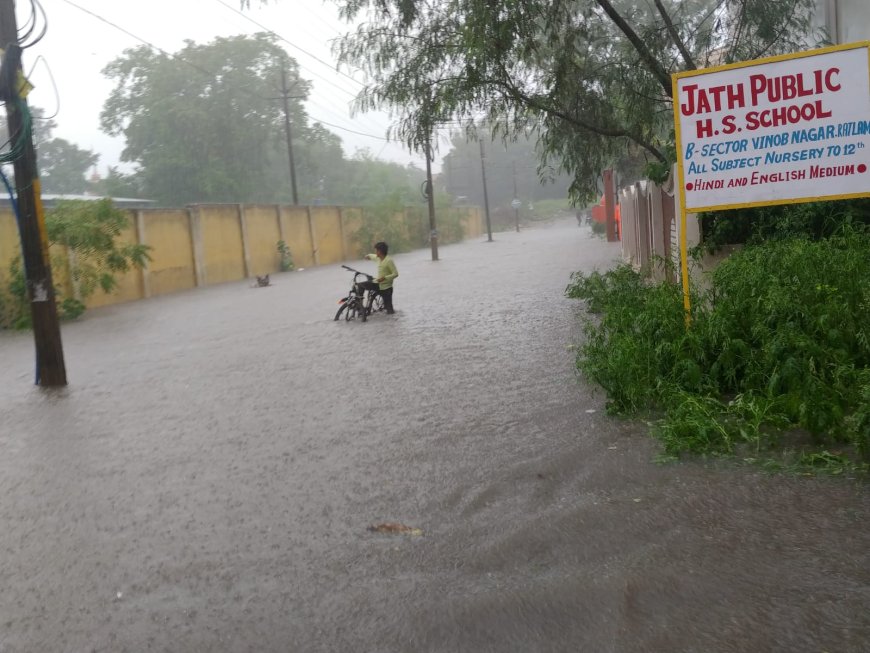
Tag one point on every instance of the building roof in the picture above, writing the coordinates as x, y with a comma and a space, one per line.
51, 199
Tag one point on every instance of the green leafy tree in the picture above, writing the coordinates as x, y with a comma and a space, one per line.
506, 164
118, 184
206, 124
590, 79
90, 230
319, 166
62, 165
366, 181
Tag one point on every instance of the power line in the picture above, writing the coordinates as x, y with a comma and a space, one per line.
313, 56
380, 138
319, 18
290, 43
203, 70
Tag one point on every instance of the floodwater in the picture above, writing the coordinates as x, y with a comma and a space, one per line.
206, 481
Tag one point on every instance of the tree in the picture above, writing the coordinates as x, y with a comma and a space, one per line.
205, 124
507, 164
588, 78
118, 184
319, 165
89, 231
367, 181
62, 165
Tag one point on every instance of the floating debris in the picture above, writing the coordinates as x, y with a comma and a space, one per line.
394, 528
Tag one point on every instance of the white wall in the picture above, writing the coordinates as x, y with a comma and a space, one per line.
846, 21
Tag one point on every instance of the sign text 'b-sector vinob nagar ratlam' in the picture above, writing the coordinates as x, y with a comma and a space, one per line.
780, 130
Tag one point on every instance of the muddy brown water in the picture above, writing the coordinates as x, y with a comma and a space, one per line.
206, 482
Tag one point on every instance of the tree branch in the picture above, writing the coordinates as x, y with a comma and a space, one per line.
687, 58
654, 65
574, 120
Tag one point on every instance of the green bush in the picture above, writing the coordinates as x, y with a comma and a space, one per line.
285, 256
813, 220
379, 223
14, 309
781, 340
90, 229
639, 349
411, 230
548, 209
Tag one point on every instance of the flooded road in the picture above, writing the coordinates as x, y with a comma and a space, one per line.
206, 482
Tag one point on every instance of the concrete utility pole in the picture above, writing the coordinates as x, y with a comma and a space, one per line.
485, 195
609, 207
285, 95
516, 203
430, 198
50, 368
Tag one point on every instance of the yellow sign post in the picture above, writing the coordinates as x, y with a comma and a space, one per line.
781, 130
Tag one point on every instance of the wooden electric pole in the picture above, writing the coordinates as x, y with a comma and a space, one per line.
50, 368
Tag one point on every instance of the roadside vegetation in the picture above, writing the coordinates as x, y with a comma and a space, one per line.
775, 365
412, 230
87, 254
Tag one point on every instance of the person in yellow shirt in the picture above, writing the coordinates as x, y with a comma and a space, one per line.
387, 273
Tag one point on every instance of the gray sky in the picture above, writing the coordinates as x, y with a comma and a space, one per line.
78, 45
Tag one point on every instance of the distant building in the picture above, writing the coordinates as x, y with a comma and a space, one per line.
49, 200
845, 21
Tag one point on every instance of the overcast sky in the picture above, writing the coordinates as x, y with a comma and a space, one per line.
78, 44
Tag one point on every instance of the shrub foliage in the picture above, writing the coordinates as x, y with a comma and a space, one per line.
91, 231
405, 228
779, 344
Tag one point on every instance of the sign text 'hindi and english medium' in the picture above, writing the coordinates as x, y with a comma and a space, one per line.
786, 129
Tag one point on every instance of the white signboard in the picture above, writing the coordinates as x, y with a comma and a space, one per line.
787, 129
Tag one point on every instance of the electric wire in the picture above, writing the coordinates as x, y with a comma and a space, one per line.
199, 68
29, 25
34, 5
317, 59
290, 43
18, 142
53, 85
13, 201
